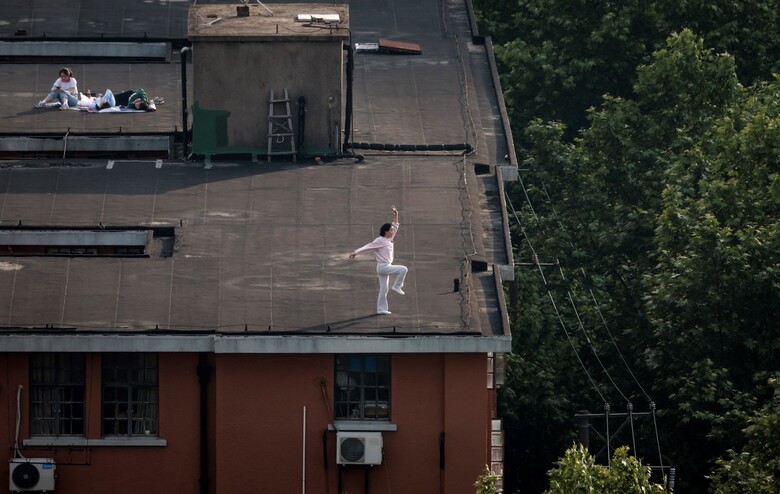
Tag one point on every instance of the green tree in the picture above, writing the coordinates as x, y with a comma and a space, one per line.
487, 483
670, 203
756, 468
543, 389
578, 473
557, 59
712, 295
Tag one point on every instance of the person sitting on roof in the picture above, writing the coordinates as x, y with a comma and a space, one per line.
64, 91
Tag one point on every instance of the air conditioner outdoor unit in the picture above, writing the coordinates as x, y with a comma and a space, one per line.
31, 474
359, 448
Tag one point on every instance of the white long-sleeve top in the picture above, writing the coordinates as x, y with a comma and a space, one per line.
71, 87
381, 247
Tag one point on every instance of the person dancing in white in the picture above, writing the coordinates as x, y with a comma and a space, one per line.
382, 247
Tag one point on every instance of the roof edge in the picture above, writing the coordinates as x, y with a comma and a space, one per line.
271, 344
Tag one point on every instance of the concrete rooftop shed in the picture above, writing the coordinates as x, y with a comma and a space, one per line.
237, 61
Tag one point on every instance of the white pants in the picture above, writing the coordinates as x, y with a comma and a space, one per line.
384, 270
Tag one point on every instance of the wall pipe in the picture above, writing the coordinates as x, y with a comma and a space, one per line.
204, 374
303, 459
184, 132
325, 449
464, 146
442, 450
348, 103
301, 125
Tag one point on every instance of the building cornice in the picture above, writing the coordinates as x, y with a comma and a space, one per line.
270, 344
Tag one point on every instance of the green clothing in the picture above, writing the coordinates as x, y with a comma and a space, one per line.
138, 94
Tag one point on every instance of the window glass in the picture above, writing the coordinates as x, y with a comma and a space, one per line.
362, 387
57, 394
130, 394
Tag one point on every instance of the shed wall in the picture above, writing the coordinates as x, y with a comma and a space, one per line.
237, 76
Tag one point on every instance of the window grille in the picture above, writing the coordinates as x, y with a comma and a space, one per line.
362, 387
130, 394
57, 394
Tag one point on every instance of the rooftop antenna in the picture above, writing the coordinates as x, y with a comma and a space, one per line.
270, 12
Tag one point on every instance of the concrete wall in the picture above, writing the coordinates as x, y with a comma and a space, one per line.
238, 76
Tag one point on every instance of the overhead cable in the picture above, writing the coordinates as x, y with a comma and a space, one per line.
552, 299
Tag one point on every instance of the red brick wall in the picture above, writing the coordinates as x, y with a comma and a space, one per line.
173, 468
260, 402
255, 428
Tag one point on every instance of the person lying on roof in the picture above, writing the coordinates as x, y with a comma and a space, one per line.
92, 103
124, 101
134, 99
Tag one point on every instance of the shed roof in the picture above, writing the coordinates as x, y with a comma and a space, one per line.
269, 22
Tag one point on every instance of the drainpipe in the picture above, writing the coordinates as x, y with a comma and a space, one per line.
184, 132
204, 373
301, 126
348, 111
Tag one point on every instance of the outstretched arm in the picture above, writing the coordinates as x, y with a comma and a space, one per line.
395, 213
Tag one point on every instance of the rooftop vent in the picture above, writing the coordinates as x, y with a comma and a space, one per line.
328, 18
100, 242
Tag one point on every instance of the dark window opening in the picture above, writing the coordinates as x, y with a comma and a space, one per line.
57, 394
362, 387
68, 251
131, 401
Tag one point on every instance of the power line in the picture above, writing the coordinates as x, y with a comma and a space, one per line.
593, 297
614, 343
582, 326
587, 339
552, 300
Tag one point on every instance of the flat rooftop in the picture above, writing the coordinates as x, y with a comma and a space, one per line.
256, 246
263, 248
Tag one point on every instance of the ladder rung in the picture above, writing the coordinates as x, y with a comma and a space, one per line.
280, 126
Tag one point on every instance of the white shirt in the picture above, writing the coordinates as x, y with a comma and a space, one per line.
381, 247
70, 87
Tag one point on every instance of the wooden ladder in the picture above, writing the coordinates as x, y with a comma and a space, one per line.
280, 127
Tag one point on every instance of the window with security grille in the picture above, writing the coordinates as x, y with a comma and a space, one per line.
362, 387
57, 394
131, 402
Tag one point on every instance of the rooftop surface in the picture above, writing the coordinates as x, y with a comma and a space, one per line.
263, 248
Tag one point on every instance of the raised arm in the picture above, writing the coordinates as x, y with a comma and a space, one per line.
395, 213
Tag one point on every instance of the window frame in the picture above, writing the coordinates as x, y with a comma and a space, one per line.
362, 381
130, 390
62, 386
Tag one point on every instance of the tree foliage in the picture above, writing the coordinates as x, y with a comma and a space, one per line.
578, 473
487, 483
664, 215
559, 58
756, 468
